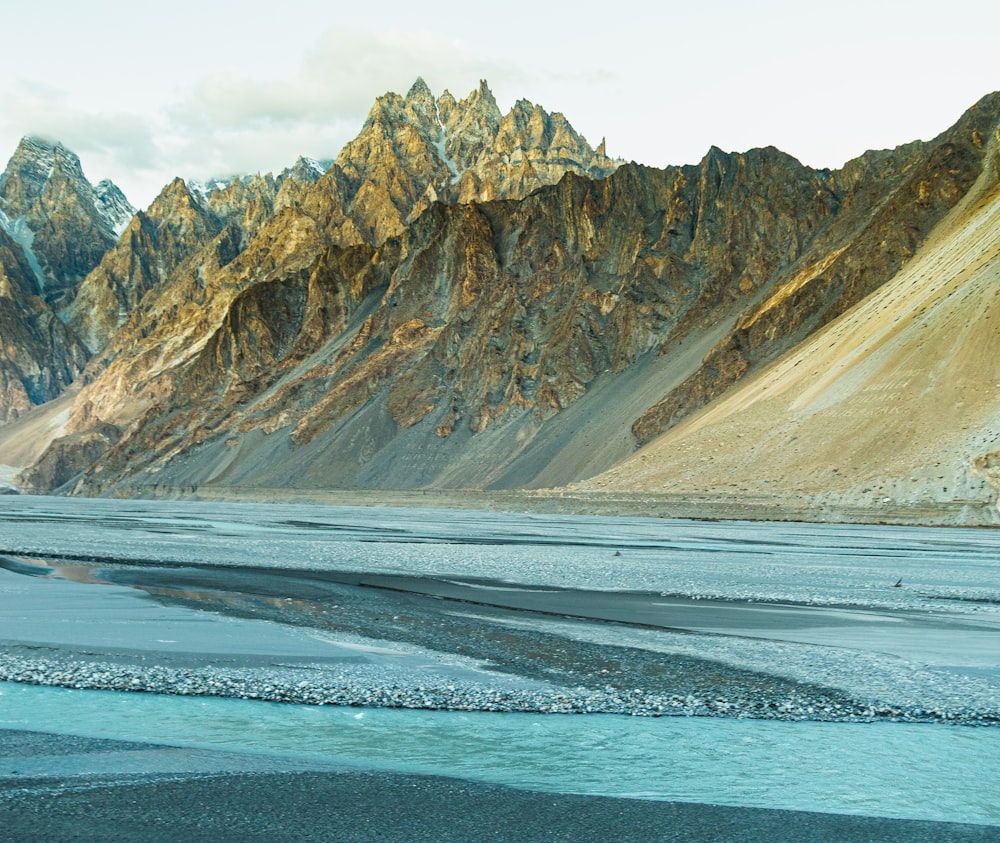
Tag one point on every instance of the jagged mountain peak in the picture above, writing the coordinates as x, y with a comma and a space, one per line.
37, 162
43, 154
178, 189
306, 169
44, 182
34, 162
481, 101
483, 92
113, 205
416, 150
419, 89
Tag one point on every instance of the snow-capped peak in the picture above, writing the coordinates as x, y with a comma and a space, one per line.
201, 190
113, 207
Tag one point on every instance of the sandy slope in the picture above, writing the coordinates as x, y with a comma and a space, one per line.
897, 402
23, 441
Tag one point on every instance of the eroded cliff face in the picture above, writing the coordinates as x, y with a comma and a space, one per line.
889, 410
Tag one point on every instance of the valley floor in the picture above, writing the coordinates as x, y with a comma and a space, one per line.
472, 610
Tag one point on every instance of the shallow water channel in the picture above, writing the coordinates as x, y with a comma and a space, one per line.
914, 771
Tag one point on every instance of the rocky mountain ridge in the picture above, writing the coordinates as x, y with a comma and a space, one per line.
396, 167
466, 299
890, 404
55, 226
284, 222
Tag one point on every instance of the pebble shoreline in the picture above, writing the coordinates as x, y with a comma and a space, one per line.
302, 688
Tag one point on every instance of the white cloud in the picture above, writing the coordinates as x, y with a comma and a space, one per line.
108, 143
145, 98
230, 121
233, 122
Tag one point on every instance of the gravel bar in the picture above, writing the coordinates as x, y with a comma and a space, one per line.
303, 688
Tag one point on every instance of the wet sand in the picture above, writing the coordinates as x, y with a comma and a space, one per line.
706, 506
93, 793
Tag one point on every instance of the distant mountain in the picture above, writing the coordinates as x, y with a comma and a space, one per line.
54, 229
467, 299
63, 223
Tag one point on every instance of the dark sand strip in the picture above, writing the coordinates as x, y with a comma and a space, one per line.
955, 642
344, 805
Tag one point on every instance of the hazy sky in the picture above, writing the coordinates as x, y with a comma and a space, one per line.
202, 88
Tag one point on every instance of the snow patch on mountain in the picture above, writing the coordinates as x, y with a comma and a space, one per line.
439, 145
22, 234
113, 207
201, 190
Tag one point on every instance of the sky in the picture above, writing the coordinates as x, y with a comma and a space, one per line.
144, 93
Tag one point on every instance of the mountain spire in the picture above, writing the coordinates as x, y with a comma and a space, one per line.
418, 89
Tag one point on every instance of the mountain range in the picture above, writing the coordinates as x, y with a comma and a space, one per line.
466, 299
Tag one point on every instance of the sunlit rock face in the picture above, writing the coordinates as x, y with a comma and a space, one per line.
417, 150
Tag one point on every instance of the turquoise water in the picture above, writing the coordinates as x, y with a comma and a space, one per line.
916, 771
